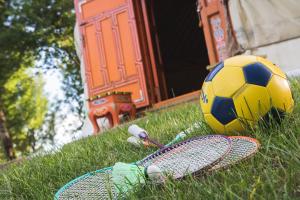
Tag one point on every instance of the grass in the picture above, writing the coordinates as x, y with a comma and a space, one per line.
273, 173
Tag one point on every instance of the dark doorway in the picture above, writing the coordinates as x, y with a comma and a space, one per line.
180, 45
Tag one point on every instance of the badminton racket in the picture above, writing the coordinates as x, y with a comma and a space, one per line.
187, 157
242, 147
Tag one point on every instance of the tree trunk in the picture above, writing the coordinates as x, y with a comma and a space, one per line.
5, 138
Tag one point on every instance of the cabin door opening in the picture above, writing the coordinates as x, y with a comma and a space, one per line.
179, 46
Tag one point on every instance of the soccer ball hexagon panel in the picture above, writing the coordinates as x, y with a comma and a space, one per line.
244, 89
223, 110
257, 74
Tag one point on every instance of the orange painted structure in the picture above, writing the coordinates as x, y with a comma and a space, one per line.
154, 49
110, 105
214, 20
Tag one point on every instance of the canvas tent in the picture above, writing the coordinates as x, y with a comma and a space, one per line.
269, 27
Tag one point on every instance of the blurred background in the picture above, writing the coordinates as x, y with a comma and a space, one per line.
42, 97
40, 84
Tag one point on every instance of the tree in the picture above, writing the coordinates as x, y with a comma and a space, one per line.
26, 107
41, 31
5, 138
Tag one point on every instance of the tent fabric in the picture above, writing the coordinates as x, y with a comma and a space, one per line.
284, 54
87, 128
232, 46
77, 40
262, 22
78, 47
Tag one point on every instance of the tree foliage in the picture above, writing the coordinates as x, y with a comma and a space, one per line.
32, 31
26, 107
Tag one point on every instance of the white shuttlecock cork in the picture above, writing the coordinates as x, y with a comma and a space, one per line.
155, 174
135, 141
136, 131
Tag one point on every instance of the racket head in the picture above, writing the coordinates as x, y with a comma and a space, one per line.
191, 156
93, 186
242, 148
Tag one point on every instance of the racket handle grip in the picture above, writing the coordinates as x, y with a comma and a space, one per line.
156, 143
178, 138
138, 132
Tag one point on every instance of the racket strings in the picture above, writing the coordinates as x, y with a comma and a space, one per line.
96, 186
191, 156
242, 147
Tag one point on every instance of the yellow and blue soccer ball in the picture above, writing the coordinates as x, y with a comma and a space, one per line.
241, 90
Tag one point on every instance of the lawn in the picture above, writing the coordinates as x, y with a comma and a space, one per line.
273, 173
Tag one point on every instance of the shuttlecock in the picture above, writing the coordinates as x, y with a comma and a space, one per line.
126, 176
138, 142
135, 141
138, 132
155, 174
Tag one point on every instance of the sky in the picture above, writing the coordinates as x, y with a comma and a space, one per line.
53, 85
53, 90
